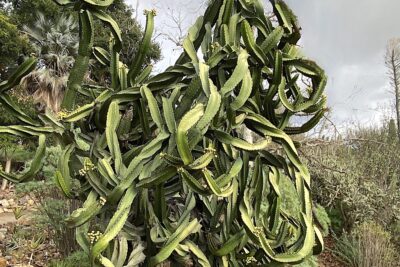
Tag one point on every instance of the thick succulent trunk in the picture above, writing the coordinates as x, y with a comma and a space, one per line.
7, 170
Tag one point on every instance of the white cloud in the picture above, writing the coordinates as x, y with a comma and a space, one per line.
346, 37
186, 11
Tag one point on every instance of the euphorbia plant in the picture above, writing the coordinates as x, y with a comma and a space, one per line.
161, 161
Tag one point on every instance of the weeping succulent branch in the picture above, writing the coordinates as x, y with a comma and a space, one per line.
162, 160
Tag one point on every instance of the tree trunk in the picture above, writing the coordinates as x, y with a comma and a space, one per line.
7, 170
396, 86
397, 95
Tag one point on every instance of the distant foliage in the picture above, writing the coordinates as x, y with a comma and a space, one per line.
359, 177
12, 45
22, 11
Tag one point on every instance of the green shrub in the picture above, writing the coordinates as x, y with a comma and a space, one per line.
395, 230
368, 245
322, 218
357, 177
346, 249
76, 259
53, 206
336, 218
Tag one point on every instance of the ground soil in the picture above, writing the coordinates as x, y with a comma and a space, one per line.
327, 258
21, 244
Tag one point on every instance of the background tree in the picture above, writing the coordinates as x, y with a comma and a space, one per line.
392, 61
13, 149
54, 40
22, 11
12, 44
6, 151
131, 32
55, 43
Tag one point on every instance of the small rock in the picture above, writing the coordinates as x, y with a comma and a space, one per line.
2, 237
1, 210
3, 230
31, 202
4, 203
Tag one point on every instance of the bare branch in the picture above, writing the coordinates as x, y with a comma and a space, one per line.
178, 19
392, 61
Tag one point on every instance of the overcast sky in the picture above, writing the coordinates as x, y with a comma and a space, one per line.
346, 37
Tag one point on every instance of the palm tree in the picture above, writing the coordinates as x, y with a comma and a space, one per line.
59, 35
55, 41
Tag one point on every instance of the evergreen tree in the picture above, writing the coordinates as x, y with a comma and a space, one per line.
12, 45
